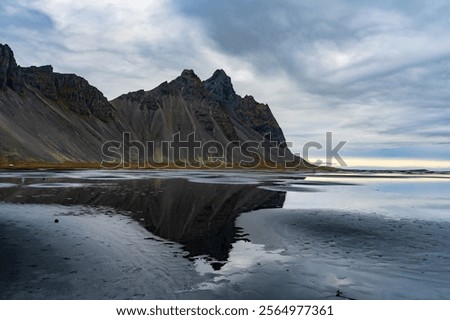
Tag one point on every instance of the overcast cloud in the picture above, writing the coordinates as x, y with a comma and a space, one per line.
375, 73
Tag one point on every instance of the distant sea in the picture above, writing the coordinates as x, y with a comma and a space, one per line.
383, 164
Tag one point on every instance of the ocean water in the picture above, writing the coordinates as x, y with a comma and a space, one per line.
174, 234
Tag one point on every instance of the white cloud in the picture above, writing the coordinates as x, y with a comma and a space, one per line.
366, 72
122, 46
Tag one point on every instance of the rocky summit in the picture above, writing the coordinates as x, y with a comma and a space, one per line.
49, 117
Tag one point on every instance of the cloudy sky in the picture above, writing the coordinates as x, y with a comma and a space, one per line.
374, 73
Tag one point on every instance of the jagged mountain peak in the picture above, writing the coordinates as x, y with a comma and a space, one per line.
5, 49
220, 75
9, 72
220, 78
187, 84
220, 86
188, 75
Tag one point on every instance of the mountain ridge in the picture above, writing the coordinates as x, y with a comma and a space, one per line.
55, 117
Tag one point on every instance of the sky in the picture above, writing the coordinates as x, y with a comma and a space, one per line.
374, 73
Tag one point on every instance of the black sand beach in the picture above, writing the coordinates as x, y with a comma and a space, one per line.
92, 234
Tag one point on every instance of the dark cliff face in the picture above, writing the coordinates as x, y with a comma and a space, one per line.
42, 79
221, 89
69, 89
81, 97
259, 117
9, 71
252, 113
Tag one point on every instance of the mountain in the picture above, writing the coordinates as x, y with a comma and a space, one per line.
51, 117
54, 118
212, 110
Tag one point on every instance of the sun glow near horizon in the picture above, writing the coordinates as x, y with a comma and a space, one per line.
396, 163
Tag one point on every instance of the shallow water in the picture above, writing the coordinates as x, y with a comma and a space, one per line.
164, 234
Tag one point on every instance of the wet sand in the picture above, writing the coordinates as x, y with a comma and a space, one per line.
223, 235
89, 254
367, 256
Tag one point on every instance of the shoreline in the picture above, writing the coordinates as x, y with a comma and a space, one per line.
24, 165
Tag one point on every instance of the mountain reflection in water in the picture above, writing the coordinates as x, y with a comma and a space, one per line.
200, 216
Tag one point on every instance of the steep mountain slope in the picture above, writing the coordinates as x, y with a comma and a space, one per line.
213, 111
47, 116
53, 117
